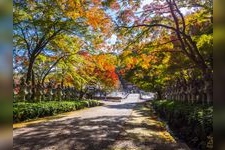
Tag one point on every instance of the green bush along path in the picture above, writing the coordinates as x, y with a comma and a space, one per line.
191, 122
26, 111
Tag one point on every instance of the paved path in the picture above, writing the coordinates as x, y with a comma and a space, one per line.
144, 131
92, 129
116, 125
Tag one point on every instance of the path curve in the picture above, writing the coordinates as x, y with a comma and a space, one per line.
94, 128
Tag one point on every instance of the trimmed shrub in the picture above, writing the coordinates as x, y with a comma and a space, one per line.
191, 122
25, 111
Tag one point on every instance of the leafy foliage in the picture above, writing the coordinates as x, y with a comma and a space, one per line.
162, 40
26, 111
55, 35
193, 123
49, 32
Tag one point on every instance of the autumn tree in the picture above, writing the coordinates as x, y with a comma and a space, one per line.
147, 69
47, 29
159, 17
180, 30
95, 69
36, 24
105, 70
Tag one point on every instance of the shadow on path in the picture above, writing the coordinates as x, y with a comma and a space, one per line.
103, 128
90, 134
91, 129
144, 132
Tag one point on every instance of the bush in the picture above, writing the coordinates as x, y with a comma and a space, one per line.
24, 111
191, 122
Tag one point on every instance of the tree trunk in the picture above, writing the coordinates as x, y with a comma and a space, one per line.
33, 86
159, 95
81, 95
29, 70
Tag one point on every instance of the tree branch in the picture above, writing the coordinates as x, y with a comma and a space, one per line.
181, 15
25, 40
149, 26
50, 68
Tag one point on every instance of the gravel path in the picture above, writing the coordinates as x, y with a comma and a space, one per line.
90, 129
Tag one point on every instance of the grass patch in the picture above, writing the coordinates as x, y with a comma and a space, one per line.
23, 111
191, 122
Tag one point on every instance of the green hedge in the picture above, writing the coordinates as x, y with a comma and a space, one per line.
191, 122
25, 111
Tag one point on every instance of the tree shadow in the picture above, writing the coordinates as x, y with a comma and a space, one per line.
81, 134
96, 133
76, 133
142, 141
